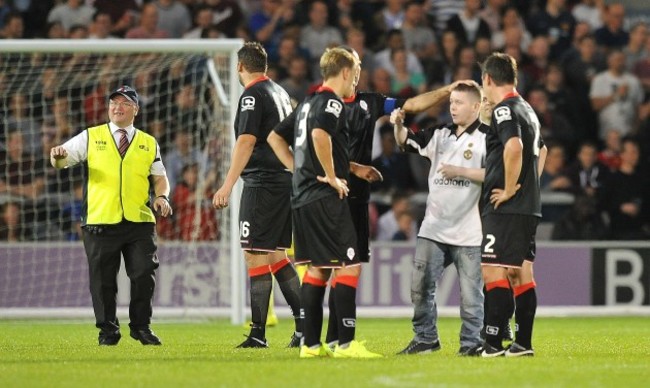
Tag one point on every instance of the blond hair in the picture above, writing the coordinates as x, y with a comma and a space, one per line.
334, 60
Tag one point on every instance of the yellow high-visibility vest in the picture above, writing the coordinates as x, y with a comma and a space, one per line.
118, 188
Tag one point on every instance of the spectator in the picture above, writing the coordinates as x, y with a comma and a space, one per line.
202, 21
418, 37
555, 22
405, 228
612, 35
71, 13
392, 165
513, 31
590, 12
403, 83
266, 24
562, 99
173, 17
124, 14
184, 153
226, 16
442, 71
297, 83
5, 9
19, 120
356, 39
316, 36
388, 225
468, 25
10, 225
554, 125
102, 26
55, 30
616, 96
586, 173
635, 50
582, 222
391, 16
381, 81
552, 177
625, 196
71, 214
394, 41
148, 28
78, 31
14, 26
538, 54
190, 198
492, 13
440, 11
610, 156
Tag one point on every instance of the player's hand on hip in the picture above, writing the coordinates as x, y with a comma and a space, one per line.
500, 196
221, 198
58, 152
162, 206
340, 185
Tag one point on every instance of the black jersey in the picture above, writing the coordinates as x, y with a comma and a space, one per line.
326, 111
261, 107
362, 112
513, 117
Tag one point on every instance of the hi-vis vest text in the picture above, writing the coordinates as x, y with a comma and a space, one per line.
118, 187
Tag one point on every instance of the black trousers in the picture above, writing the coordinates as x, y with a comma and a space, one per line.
137, 243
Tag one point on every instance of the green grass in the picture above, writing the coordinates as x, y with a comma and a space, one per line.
568, 352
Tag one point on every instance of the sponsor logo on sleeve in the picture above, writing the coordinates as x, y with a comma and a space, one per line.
502, 114
248, 103
334, 107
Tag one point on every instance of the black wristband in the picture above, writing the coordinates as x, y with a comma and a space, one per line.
165, 197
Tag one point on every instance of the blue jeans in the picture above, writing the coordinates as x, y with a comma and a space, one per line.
428, 266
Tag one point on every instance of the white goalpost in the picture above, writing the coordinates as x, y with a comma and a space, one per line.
52, 89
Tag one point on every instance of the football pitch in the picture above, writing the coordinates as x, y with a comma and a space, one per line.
569, 352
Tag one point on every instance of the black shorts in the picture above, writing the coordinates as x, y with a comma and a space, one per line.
361, 221
508, 239
324, 235
265, 218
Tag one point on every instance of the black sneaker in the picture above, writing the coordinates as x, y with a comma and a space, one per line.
470, 351
415, 347
295, 341
252, 342
488, 351
516, 350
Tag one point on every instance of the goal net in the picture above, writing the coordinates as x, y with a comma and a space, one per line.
52, 90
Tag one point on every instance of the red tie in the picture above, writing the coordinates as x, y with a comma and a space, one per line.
124, 142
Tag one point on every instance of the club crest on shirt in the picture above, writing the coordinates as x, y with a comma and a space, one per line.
248, 103
502, 114
350, 252
363, 105
467, 154
334, 107
144, 147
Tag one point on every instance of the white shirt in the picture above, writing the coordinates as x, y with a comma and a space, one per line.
621, 113
452, 214
77, 148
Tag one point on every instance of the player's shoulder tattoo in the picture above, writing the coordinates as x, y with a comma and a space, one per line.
334, 107
502, 113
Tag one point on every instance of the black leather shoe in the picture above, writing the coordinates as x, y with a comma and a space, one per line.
109, 339
145, 336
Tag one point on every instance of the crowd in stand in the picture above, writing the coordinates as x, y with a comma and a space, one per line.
584, 66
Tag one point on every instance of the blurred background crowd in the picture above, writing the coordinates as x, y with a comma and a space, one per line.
584, 66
